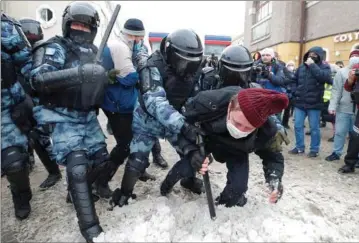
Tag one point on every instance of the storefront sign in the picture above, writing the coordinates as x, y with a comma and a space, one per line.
346, 37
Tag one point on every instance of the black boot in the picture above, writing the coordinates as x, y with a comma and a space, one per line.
21, 203
145, 177
21, 192
231, 201
50, 165
107, 170
346, 169
104, 173
54, 174
157, 157
194, 184
81, 196
160, 161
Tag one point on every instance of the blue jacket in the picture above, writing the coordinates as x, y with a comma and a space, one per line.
275, 81
310, 82
120, 97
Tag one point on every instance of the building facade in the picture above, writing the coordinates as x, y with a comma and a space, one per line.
292, 27
238, 40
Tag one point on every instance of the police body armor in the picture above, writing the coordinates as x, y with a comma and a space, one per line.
10, 76
88, 93
178, 89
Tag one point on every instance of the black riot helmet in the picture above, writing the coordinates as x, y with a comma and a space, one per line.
183, 51
234, 66
32, 30
84, 13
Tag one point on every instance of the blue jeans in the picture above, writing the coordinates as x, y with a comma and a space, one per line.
314, 122
343, 124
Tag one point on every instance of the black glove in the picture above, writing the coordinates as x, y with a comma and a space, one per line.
8, 74
22, 115
196, 159
120, 199
191, 132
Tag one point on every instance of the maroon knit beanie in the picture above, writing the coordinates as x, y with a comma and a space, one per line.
258, 104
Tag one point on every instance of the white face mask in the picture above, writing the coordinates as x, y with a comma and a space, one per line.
235, 132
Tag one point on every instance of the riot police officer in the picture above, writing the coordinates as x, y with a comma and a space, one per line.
15, 57
166, 82
71, 89
38, 140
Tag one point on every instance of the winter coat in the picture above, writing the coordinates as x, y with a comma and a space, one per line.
120, 97
340, 100
310, 82
276, 79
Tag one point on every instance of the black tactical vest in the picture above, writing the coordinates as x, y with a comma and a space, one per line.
178, 89
72, 97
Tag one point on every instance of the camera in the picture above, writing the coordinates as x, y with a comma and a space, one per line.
259, 68
356, 73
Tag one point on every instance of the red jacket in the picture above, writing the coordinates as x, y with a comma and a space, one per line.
349, 88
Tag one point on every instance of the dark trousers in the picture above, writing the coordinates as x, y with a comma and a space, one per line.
351, 158
121, 125
324, 114
288, 112
237, 175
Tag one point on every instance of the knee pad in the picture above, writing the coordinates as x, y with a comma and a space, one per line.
77, 166
138, 162
119, 154
100, 156
76, 158
13, 160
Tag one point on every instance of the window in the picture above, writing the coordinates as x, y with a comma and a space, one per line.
261, 26
46, 16
216, 49
263, 10
260, 31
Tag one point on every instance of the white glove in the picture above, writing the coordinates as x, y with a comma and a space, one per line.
309, 61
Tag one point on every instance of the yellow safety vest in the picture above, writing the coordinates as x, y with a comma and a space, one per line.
327, 92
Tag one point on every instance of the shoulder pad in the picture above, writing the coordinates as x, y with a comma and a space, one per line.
7, 18
207, 70
56, 39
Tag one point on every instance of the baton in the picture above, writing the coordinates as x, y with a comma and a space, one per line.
207, 183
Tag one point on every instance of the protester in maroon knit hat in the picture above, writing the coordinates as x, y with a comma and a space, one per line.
234, 122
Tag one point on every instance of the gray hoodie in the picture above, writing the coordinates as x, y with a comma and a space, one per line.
340, 100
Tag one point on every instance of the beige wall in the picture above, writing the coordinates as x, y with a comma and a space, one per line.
21, 9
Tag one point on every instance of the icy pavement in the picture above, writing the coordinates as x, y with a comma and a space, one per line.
318, 205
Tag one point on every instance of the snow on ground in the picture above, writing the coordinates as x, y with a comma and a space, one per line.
318, 205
